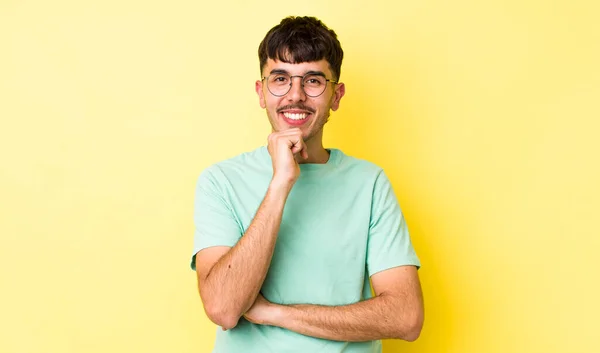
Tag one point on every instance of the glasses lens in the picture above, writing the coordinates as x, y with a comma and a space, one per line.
314, 85
278, 84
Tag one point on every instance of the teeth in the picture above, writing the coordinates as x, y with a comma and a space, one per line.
299, 116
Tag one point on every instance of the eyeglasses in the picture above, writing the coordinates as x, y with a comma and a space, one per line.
279, 84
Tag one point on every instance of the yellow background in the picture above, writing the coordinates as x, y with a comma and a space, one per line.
485, 115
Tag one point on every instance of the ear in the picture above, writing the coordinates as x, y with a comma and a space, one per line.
340, 90
261, 94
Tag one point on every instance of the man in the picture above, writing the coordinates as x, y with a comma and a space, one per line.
288, 235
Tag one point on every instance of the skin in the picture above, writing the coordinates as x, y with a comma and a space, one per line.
297, 101
396, 311
229, 279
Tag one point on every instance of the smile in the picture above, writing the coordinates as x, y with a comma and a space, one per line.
295, 116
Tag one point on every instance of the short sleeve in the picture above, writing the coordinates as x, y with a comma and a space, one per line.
389, 243
214, 218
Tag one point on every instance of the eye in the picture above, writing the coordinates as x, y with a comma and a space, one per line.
314, 80
280, 79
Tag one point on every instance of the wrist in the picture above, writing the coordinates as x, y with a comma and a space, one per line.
281, 185
277, 315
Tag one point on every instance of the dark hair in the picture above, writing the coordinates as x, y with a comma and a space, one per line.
302, 39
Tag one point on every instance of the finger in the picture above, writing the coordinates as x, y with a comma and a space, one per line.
297, 146
296, 149
292, 140
303, 149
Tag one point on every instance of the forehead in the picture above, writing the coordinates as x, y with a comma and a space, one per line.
297, 68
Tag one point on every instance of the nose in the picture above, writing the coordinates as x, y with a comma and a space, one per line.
296, 93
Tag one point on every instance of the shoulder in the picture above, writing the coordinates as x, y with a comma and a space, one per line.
358, 165
368, 174
238, 165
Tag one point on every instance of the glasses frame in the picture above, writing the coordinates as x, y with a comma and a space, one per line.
301, 83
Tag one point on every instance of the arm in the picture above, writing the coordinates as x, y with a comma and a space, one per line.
229, 279
395, 312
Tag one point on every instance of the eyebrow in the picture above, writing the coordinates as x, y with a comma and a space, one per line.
312, 72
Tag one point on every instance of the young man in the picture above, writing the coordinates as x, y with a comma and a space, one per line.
288, 235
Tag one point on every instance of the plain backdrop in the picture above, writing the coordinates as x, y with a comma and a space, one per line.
484, 114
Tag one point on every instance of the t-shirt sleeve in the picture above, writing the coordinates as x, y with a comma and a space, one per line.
389, 243
214, 219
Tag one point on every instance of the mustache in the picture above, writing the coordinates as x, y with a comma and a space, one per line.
295, 106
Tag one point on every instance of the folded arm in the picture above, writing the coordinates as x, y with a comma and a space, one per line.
395, 312
229, 279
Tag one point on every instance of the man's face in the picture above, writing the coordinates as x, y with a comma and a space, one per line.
296, 109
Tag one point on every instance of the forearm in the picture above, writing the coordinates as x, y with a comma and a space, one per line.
233, 283
380, 317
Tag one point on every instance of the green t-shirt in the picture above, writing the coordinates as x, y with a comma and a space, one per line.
341, 224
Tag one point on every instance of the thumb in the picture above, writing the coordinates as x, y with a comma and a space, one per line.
304, 149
